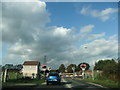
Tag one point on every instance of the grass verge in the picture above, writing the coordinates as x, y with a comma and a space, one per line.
13, 82
106, 83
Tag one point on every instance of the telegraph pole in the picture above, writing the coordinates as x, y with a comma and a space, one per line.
45, 59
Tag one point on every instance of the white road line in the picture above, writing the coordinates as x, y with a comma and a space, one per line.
67, 85
96, 84
43, 83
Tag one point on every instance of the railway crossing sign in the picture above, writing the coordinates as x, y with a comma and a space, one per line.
83, 66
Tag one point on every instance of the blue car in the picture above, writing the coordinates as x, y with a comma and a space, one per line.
53, 78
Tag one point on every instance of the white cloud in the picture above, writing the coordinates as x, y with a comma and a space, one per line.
61, 31
25, 30
85, 10
20, 20
87, 29
114, 37
96, 50
95, 36
86, 33
103, 15
27, 33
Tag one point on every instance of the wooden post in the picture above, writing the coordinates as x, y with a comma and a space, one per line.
5, 75
93, 73
1, 76
1, 80
83, 73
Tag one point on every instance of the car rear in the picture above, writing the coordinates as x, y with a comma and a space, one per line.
53, 78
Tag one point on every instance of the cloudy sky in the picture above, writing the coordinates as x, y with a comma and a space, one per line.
66, 32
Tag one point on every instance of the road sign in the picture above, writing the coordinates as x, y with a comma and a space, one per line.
83, 66
44, 67
83, 69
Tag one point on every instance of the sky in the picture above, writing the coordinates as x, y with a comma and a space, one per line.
66, 32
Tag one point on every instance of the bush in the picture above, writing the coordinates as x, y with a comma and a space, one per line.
110, 69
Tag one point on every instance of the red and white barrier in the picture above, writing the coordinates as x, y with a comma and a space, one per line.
70, 75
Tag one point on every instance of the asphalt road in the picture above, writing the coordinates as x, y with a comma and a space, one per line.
66, 83
77, 83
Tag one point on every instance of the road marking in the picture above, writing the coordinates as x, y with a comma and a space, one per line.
67, 85
43, 83
96, 84
24, 84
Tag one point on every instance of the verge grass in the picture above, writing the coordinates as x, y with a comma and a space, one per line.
13, 82
105, 82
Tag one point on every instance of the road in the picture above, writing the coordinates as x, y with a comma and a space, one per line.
71, 83
77, 83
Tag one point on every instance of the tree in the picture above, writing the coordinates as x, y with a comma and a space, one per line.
100, 65
77, 68
87, 66
118, 70
62, 68
110, 68
55, 71
69, 68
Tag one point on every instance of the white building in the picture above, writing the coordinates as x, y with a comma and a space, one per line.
31, 69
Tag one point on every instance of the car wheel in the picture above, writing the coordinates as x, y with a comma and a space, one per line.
47, 83
59, 82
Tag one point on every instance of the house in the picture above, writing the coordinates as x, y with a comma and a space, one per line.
31, 69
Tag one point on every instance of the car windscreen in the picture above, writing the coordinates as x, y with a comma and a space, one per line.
54, 75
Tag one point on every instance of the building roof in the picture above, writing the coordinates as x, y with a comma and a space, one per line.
31, 63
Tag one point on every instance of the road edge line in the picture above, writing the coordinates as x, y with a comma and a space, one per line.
97, 85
